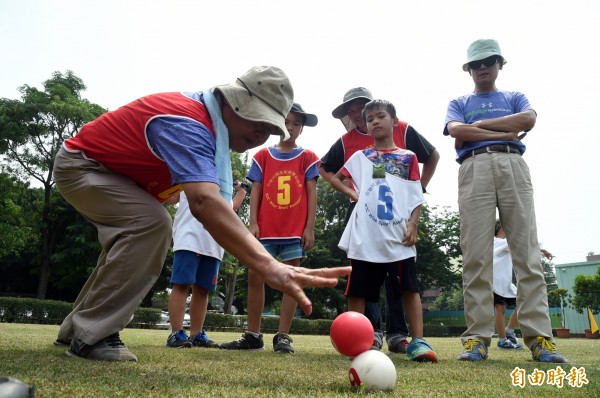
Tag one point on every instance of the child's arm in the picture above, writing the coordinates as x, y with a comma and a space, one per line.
240, 195
410, 238
337, 183
308, 236
547, 254
255, 196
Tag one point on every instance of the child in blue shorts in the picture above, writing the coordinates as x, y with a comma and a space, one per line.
283, 203
196, 262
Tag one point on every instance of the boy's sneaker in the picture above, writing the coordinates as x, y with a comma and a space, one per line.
282, 344
246, 342
397, 343
544, 350
109, 349
419, 351
377, 341
178, 339
506, 344
511, 336
473, 350
202, 340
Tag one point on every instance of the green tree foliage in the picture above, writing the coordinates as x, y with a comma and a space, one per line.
449, 300
586, 292
18, 235
16, 228
232, 274
31, 132
438, 248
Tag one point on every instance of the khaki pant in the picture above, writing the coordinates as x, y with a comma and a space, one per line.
134, 230
486, 182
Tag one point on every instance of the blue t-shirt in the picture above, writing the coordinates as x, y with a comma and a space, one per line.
187, 146
474, 107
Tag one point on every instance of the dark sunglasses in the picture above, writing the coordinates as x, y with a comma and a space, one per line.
490, 61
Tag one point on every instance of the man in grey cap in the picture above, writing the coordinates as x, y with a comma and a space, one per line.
488, 126
356, 139
120, 168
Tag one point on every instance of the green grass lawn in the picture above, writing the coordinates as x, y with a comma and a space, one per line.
315, 370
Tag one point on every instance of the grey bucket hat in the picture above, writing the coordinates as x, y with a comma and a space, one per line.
262, 94
352, 94
482, 49
310, 120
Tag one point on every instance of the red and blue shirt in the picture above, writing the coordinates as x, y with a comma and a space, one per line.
159, 141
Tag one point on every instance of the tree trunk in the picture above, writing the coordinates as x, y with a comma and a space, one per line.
147, 301
230, 288
47, 245
44, 278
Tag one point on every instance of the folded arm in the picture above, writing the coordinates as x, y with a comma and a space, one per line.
502, 128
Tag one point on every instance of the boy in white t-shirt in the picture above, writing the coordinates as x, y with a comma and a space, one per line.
381, 233
196, 262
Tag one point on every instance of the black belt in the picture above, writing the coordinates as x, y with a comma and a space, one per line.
490, 149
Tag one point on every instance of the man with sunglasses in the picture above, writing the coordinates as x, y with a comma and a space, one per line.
488, 126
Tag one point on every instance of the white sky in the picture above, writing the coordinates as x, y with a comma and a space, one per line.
410, 54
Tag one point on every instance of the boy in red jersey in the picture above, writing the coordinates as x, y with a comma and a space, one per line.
119, 169
283, 203
381, 234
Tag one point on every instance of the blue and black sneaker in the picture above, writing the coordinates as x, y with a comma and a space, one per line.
179, 339
202, 340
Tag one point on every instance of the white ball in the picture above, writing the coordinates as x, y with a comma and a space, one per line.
373, 370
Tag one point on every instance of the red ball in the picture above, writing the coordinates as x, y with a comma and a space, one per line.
351, 334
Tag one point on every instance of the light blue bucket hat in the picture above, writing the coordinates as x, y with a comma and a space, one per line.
482, 49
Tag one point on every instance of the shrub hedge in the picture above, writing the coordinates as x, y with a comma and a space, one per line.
50, 312
29, 310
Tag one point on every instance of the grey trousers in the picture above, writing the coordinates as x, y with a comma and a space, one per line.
486, 182
134, 230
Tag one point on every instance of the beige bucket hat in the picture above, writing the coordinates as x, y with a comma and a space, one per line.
262, 94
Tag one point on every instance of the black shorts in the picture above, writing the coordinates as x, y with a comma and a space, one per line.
366, 278
509, 302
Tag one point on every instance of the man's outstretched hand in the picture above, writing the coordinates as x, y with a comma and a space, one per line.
292, 280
